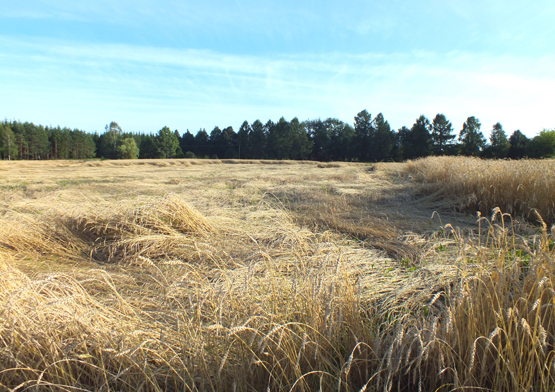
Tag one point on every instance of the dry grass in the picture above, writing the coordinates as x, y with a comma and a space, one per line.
256, 277
517, 187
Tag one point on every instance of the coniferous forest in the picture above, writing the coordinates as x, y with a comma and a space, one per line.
368, 139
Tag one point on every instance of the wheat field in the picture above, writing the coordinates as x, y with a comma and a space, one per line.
208, 275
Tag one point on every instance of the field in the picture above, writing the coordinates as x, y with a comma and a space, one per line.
207, 275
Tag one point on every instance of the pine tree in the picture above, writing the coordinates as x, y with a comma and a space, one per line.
243, 140
187, 144
383, 141
300, 143
364, 133
442, 135
8, 148
257, 140
471, 138
229, 143
499, 142
320, 136
418, 141
202, 144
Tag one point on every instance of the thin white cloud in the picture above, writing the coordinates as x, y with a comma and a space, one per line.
146, 88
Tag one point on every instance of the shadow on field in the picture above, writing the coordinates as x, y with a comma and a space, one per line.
384, 221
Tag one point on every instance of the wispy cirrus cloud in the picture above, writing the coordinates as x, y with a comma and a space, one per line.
144, 88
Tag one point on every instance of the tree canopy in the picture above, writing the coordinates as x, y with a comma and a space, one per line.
367, 139
473, 141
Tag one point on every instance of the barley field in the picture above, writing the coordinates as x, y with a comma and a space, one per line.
209, 275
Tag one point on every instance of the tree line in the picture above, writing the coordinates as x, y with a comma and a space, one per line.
368, 139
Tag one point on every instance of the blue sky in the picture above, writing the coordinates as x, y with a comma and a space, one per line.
198, 64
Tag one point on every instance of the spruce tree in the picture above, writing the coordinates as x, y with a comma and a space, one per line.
471, 138
442, 135
499, 142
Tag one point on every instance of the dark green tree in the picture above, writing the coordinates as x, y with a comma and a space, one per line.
202, 144
30, 141
442, 135
334, 145
95, 138
229, 143
20, 139
244, 146
396, 150
38, 146
128, 149
105, 147
402, 142
300, 142
166, 143
8, 148
82, 145
59, 142
473, 141
279, 139
272, 141
320, 134
499, 144
517, 145
187, 144
418, 142
343, 142
364, 134
113, 133
383, 141
332, 139
257, 140
217, 147
542, 146
340, 144
178, 151
147, 147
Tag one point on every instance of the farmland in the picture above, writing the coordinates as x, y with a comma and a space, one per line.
206, 275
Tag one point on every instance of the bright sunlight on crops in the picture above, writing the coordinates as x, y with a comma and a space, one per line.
197, 275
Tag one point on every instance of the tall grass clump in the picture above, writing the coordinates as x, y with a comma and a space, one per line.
157, 229
167, 227
517, 187
492, 328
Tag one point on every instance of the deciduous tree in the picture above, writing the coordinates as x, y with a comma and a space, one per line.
113, 131
517, 145
166, 143
543, 145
